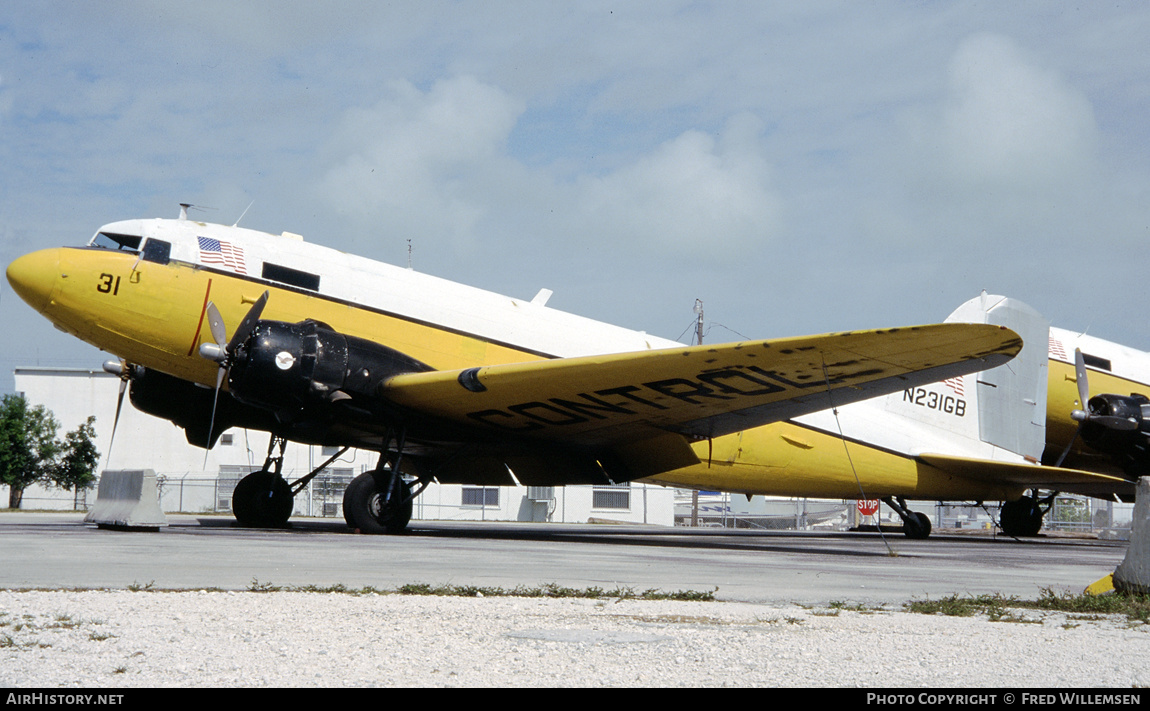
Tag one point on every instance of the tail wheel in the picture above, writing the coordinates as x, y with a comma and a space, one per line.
262, 500
367, 507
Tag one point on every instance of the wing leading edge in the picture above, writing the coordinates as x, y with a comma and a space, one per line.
704, 391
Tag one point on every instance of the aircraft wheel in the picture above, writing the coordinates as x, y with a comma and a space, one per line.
916, 525
262, 500
1022, 518
366, 507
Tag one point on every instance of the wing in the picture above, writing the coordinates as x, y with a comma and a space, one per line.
1074, 481
640, 404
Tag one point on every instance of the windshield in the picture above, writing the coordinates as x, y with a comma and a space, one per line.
111, 240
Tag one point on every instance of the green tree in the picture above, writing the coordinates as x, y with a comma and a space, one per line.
76, 467
29, 447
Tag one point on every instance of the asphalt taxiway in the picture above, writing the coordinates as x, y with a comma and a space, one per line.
59, 551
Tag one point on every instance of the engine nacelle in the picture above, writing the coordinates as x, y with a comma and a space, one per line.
190, 406
1119, 425
289, 367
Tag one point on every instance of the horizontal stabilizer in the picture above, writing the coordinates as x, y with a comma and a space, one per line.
1073, 481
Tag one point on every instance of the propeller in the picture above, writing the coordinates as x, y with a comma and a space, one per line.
125, 372
223, 351
1085, 415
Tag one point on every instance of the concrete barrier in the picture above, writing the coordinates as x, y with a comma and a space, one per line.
1133, 573
129, 499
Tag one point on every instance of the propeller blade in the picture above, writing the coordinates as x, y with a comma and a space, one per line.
124, 372
1081, 379
223, 371
1066, 451
216, 324
116, 420
248, 324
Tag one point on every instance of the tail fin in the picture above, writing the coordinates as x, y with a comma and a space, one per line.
1011, 398
995, 415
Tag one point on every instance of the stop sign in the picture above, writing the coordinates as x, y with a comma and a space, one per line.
868, 507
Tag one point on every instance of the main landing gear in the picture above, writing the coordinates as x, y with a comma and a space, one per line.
372, 503
380, 501
264, 499
915, 525
1023, 518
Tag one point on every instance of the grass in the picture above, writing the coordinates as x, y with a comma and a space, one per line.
1135, 607
996, 607
549, 590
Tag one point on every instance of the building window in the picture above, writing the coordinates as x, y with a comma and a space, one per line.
480, 496
226, 440
617, 497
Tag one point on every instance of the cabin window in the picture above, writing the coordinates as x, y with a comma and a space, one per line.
111, 240
158, 251
1096, 362
292, 277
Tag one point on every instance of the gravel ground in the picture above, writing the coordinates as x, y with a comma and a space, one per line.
122, 639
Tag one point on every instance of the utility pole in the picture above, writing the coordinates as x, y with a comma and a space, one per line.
699, 340
699, 322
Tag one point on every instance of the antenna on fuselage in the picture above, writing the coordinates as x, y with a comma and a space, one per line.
253, 202
409, 253
184, 210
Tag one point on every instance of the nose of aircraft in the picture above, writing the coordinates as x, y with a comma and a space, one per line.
34, 275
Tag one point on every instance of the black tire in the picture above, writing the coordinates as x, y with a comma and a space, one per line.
1022, 518
262, 500
916, 526
366, 509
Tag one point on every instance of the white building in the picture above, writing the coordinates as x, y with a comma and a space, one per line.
194, 483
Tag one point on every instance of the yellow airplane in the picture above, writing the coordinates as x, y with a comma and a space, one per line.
459, 385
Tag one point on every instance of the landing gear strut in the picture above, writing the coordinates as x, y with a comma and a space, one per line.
380, 501
1023, 518
264, 499
915, 525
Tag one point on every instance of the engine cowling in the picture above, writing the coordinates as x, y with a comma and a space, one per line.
289, 367
1119, 425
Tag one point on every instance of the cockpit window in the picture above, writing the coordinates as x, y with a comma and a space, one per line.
111, 240
158, 251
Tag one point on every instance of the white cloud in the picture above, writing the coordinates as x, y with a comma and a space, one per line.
691, 194
1008, 122
435, 165
412, 161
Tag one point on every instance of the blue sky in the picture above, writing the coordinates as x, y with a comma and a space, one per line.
800, 167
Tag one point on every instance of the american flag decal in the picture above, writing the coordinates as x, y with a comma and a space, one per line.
1057, 350
955, 384
217, 251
